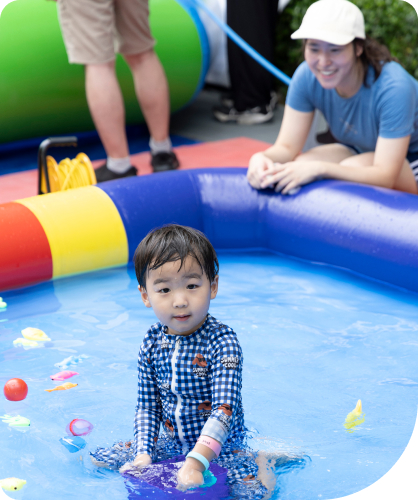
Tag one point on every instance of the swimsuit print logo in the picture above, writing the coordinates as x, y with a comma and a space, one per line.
165, 344
231, 362
205, 408
200, 366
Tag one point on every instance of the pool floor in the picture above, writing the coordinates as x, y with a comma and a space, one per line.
315, 340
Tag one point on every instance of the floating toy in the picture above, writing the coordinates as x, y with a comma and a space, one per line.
3, 304
15, 389
63, 375
73, 444
16, 421
12, 483
79, 427
71, 360
163, 475
355, 417
63, 387
35, 334
25, 343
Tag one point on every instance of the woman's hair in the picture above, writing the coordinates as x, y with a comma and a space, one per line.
171, 243
374, 54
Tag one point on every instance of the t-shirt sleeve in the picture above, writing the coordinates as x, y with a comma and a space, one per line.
396, 108
300, 92
148, 411
226, 386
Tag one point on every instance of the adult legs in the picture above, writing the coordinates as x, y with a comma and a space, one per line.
152, 92
254, 21
107, 108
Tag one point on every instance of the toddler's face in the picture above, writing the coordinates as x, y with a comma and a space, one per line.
180, 298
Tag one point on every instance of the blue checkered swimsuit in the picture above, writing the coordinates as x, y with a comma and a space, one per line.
192, 386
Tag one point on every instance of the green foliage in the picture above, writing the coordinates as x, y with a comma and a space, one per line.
392, 22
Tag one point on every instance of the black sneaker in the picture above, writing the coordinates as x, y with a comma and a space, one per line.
104, 174
161, 162
259, 114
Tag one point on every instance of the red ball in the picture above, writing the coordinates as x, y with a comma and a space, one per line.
15, 389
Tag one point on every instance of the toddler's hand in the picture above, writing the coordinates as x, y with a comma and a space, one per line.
188, 476
142, 460
135, 466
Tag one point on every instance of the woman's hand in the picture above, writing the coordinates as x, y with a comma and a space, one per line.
258, 165
288, 176
190, 475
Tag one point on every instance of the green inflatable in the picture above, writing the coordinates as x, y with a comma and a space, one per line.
41, 94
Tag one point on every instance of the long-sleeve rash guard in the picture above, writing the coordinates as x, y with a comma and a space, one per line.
191, 384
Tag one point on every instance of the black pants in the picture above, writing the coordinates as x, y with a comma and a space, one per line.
255, 21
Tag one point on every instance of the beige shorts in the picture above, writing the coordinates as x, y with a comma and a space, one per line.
95, 30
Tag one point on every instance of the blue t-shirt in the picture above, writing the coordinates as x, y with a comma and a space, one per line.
388, 108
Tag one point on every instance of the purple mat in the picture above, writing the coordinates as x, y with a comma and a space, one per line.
159, 481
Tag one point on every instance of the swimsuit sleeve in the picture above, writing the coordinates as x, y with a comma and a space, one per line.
226, 385
148, 410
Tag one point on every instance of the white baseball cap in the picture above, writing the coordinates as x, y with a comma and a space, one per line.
334, 21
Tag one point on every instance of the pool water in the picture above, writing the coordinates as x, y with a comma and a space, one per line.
315, 340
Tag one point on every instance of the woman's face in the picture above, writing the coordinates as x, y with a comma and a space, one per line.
334, 66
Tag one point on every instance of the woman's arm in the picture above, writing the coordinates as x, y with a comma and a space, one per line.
290, 141
383, 168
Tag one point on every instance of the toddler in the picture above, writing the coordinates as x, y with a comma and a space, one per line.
189, 369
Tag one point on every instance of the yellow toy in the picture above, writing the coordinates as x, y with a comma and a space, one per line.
25, 343
63, 387
354, 418
12, 483
35, 334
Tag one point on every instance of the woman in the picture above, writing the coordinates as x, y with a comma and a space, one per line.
368, 99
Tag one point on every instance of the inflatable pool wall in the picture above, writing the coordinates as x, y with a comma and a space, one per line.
42, 94
368, 230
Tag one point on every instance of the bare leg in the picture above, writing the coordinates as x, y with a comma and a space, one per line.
405, 182
107, 109
152, 92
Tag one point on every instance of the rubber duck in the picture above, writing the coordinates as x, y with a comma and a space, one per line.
35, 334
63, 387
355, 417
12, 483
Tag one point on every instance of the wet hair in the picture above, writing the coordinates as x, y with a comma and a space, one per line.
172, 243
374, 54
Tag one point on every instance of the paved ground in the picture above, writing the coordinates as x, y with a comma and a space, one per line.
196, 122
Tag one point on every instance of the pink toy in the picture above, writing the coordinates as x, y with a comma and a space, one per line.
79, 427
63, 375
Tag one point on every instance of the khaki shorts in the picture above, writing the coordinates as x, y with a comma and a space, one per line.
94, 30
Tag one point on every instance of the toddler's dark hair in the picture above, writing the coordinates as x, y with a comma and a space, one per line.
171, 243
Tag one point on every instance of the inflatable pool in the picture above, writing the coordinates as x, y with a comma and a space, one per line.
315, 338
367, 230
